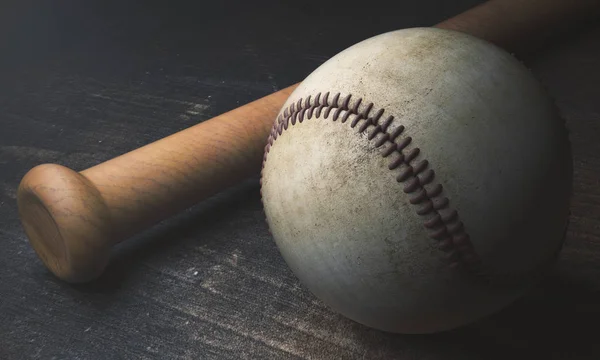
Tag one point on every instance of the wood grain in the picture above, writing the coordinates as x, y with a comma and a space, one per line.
73, 219
209, 283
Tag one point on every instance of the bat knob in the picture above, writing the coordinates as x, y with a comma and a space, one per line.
67, 222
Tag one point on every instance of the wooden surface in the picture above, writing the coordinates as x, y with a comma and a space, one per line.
73, 219
83, 83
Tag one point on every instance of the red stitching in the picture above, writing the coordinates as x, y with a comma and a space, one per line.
447, 230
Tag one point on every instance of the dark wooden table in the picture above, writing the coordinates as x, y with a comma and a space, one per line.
82, 82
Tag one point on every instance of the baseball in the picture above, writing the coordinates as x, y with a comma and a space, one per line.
418, 181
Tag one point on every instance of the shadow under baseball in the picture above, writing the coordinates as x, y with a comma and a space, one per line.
556, 321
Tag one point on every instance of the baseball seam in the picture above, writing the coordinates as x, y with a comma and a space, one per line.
441, 222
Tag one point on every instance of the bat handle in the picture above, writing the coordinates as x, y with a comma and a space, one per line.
73, 218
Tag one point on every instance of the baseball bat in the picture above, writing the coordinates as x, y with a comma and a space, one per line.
73, 219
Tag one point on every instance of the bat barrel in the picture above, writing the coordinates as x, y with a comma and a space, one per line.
73, 219
523, 27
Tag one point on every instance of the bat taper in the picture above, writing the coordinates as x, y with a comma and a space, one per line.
74, 218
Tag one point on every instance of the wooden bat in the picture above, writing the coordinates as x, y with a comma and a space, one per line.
74, 218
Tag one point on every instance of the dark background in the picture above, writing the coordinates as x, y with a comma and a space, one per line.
84, 81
